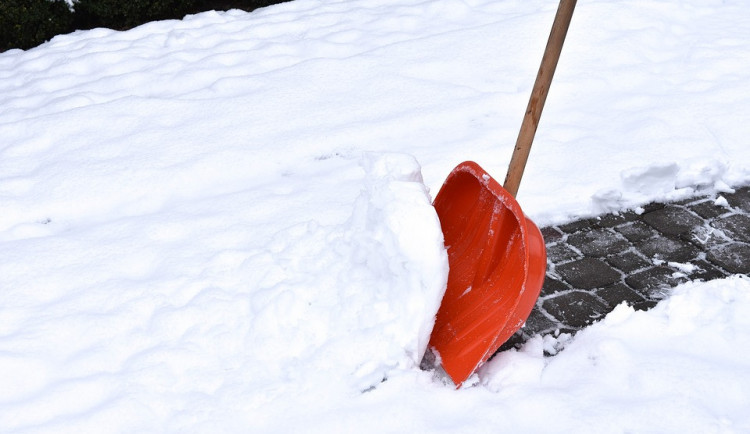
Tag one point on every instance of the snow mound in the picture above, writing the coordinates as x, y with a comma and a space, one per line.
683, 360
236, 299
356, 300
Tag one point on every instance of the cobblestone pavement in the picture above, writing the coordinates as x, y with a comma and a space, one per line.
595, 264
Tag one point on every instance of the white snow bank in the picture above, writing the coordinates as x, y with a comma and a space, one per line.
681, 367
352, 302
648, 101
222, 305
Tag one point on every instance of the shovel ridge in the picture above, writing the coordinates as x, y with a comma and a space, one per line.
492, 251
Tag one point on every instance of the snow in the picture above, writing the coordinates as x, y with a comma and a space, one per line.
223, 223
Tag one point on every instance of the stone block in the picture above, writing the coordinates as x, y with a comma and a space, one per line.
706, 271
645, 305
653, 206
707, 237
735, 258
612, 220
672, 220
577, 226
537, 322
667, 249
707, 209
561, 252
588, 273
740, 198
735, 227
627, 261
551, 234
576, 308
636, 231
552, 286
618, 293
598, 242
652, 282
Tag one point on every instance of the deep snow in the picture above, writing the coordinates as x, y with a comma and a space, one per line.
223, 223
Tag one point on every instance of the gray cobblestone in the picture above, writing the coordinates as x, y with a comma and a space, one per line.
636, 231
740, 199
598, 243
588, 273
672, 220
597, 263
735, 227
734, 258
576, 309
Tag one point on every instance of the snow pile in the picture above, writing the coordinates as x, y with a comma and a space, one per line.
354, 301
680, 367
139, 316
649, 106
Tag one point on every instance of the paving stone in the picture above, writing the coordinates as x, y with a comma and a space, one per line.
598, 242
553, 286
538, 322
652, 281
734, 258
618, 293
645, 305
707, 209
740, 198
653, 206
706, 271
577, 226
576, 308
636, 231
672, 220
735, 227
617, 265
707, 238
612, 220
627, 261
551, 234
588, 273
667, 249
561, 252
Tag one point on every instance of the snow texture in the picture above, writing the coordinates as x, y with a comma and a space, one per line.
223, 223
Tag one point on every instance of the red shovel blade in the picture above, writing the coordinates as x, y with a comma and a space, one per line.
497, 263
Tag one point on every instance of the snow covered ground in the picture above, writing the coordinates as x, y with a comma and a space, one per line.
223, 223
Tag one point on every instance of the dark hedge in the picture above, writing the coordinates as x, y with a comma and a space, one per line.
27, 23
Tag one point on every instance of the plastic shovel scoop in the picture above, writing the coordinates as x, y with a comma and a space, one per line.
496, 255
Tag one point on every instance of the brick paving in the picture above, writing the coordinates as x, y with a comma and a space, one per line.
595, 264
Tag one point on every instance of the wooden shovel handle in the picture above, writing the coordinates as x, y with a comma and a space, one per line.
538, 95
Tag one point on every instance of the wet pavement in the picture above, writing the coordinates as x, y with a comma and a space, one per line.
637, 257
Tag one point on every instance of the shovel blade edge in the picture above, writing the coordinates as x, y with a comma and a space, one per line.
497, 262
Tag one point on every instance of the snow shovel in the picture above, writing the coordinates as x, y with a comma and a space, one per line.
496, 255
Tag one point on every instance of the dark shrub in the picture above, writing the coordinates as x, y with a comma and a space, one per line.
125, 14
27, 23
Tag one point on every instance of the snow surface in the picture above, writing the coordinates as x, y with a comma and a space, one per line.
223, 223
